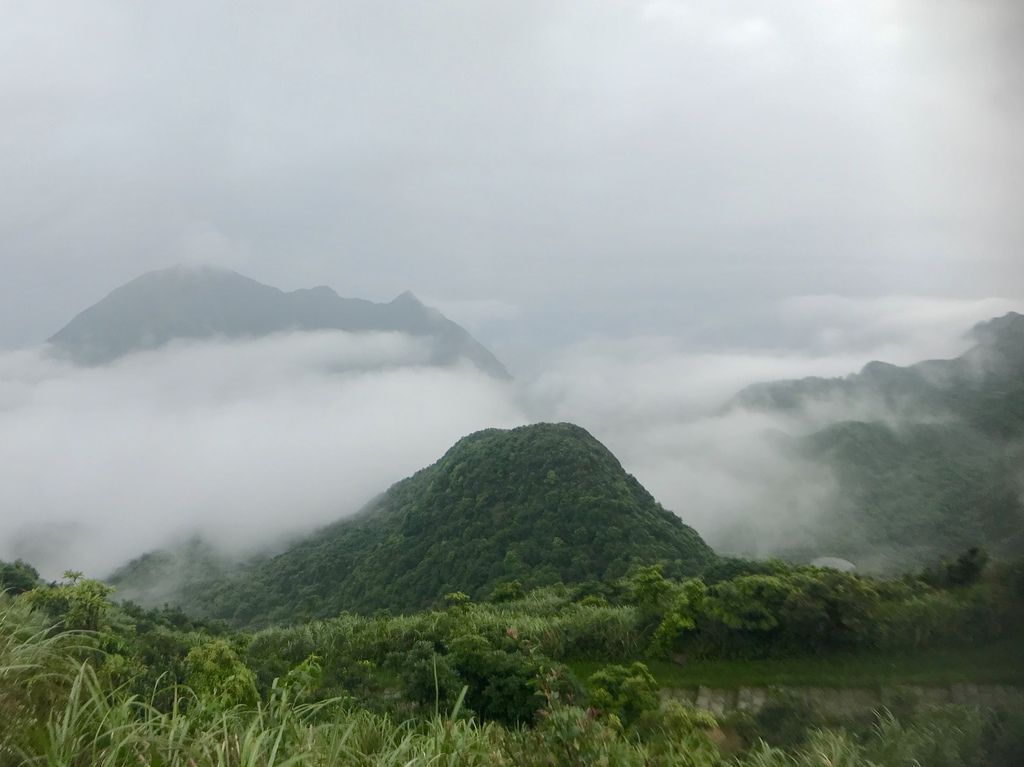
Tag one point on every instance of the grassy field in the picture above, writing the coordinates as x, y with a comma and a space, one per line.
1001, 663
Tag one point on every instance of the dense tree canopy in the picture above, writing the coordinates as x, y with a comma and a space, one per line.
535, 505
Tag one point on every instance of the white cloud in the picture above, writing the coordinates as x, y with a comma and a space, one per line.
898, 329
245, 443
251, 443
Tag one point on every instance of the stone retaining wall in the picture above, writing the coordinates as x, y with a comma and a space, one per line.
845, 701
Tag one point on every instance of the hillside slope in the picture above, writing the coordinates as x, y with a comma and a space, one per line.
201, 303
538, 504
940, 469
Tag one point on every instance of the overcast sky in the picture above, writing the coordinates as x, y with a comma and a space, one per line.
639, 206
545, 171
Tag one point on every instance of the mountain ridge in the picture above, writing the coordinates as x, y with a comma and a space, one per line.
993, 367
938, 468
196, 303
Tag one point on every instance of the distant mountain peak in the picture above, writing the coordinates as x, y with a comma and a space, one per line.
188, 301
407, 297
1008, 329
998, 356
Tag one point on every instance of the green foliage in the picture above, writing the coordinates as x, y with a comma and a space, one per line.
509, 591
458, 601
569, 736
679, 734
749, 603
502, 685
35, 668
182, 693
912, 494
650, 589
947, 737
963, 571
688, 604
427, 677
304, 680
215, 671
942, 476
78, 603
17, 577
623, 692
807, 610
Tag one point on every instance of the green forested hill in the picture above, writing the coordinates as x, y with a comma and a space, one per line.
939, 470
537, 504
914, 493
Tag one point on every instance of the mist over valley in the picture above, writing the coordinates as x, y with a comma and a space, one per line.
228, 421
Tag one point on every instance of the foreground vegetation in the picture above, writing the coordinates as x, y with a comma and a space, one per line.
84, 681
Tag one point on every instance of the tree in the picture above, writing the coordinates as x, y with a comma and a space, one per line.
828, 610
509, 591
964, 571
652, 592
457, 601
427, 677
17, 577
750, 602
79, 603
503, 686
682, 618
215, 670
624, 692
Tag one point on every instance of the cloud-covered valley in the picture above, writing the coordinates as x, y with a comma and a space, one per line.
242, 442
251, 443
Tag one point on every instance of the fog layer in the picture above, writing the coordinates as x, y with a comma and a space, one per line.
250, 444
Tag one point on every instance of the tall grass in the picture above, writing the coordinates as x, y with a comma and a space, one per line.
545, 619
104, 728
58, 708
37, 666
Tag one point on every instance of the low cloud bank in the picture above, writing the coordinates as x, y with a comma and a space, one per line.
251, 443
244, 443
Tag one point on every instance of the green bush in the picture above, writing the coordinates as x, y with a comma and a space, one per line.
217, 673
625, 693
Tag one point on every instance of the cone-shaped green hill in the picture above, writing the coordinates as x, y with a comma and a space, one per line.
538, 503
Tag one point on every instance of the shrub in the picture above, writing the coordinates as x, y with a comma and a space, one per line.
623, 692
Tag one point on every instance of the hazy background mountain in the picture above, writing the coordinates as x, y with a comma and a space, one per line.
928, 458
188, 303
983, 387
